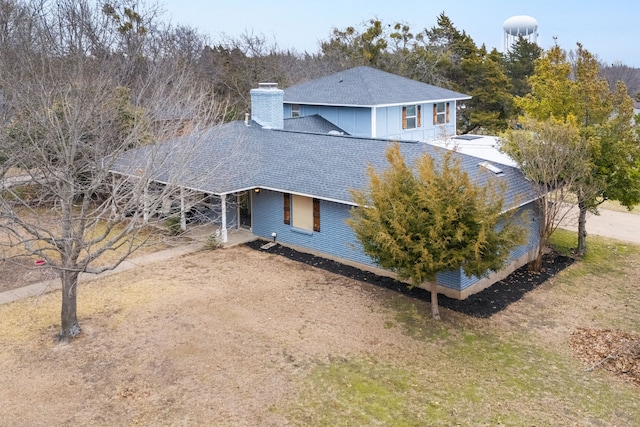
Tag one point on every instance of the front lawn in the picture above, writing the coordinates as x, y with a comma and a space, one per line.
244, 337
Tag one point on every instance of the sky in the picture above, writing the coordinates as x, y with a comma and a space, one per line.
609, 29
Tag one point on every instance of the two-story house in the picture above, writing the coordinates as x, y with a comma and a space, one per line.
370, 103
307, 146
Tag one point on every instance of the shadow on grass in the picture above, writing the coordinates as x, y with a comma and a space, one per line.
482, 305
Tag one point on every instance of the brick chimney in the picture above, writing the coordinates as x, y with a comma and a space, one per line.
267, 106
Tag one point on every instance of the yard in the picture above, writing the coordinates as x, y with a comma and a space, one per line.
243, 337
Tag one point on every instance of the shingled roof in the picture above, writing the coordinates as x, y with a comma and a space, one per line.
367, 87
236, 157
312, 124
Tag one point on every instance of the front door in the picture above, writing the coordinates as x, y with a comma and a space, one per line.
244, 209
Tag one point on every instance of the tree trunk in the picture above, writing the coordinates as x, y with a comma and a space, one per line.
69, 320
582, 229
435, 311
537, 263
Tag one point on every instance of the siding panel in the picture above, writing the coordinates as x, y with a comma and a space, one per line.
337, 238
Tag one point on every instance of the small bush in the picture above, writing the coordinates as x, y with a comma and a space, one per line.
213, 242
173, 225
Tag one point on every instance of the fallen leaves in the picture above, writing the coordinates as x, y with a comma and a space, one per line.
616, 351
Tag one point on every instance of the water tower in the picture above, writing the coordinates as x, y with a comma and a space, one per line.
519, 26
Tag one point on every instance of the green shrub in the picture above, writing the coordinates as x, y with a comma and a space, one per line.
213, 242
173, 225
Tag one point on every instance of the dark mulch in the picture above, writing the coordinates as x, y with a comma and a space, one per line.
483, 304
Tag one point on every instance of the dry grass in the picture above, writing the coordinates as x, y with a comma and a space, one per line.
20, 269
240, 337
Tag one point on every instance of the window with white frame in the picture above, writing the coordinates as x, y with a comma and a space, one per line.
441, 113
295, 110
410, 116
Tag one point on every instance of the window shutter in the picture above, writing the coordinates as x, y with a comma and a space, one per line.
287, 208
435, 114
419, 119
316, 215
404, 117
448, 120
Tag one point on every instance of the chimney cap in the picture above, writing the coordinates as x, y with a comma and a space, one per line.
268, 85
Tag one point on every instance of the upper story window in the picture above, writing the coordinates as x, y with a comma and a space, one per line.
410, 117
295, 110
441, 113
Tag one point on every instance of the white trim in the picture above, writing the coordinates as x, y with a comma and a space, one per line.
183, 215
394, 104
279, 190
327, 199
374, 121
223, 220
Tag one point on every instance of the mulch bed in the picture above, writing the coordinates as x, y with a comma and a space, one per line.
484, 304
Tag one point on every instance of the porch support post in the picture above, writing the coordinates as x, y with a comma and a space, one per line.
223, 220
374, 122
183, 215
114, 209
145, 203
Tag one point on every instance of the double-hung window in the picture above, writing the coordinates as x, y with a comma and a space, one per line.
441, 113
295, 110
410, 116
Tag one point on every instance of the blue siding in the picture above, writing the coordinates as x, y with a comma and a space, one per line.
337, 239
357, 121
334, 238
389, 124
354, 120
530, 221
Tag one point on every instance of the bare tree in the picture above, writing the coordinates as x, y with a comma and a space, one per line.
72, 103
553, 155
618, 72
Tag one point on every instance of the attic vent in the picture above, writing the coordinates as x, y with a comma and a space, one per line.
491, 168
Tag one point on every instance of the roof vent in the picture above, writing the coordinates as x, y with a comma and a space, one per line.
491, 168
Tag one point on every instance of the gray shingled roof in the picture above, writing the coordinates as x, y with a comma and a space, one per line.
235, 157
311, 124
367, 87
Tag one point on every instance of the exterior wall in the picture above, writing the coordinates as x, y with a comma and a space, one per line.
336, 240
522, 255
389, 124
355, 121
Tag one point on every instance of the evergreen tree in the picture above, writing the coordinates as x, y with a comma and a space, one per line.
605, 122
435, 219
519, 65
